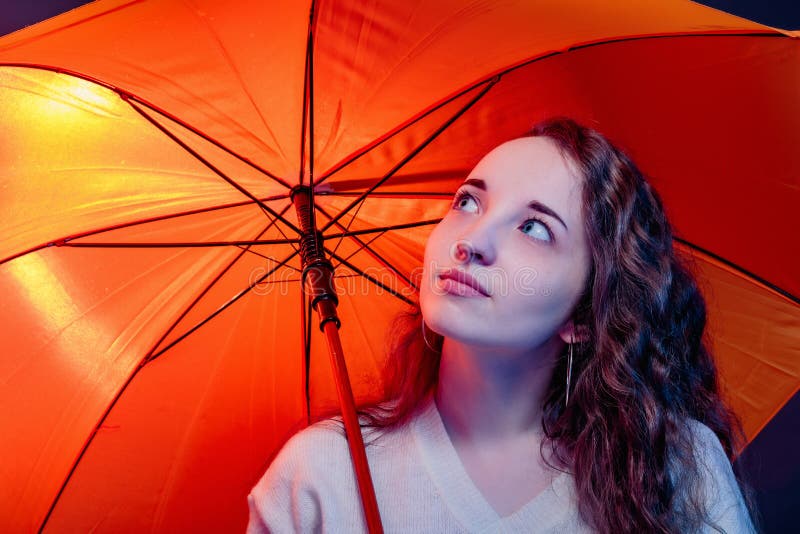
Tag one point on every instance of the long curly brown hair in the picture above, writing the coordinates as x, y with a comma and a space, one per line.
644, 371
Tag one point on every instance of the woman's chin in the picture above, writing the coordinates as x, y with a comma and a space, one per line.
462, 332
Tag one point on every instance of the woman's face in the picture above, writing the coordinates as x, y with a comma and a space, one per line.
515, 227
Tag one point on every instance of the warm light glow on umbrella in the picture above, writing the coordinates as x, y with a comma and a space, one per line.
50, 298
68, 94
44, 291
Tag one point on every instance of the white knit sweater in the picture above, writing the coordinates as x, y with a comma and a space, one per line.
421, 486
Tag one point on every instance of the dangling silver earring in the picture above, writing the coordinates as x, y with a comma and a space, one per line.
569, 374
425, 338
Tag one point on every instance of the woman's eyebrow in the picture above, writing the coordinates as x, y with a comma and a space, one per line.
533, 204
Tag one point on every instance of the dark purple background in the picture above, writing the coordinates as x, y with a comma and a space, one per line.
772, 461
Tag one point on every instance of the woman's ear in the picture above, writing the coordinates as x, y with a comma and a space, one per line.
572, 333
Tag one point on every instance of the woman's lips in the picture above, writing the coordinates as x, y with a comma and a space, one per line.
460, 283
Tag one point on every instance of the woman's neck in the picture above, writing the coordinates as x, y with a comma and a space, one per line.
488, 394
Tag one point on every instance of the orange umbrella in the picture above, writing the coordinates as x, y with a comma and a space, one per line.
157, 348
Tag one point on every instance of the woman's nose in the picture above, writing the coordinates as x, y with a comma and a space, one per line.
475, 241
466, 251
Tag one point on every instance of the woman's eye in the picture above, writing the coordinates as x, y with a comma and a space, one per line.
465, 202
536, 229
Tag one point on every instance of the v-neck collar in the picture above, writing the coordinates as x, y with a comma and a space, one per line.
548, 509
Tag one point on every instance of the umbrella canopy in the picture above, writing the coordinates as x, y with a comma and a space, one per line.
156, 345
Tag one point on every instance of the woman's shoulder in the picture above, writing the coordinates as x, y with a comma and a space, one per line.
715, 480
320, 444
708, 450
325, 432
306, 468
321, 450
308, 481
703, 438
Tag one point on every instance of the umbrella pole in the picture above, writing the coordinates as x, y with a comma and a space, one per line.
318, 283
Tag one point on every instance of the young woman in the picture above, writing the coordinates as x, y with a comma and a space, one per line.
559, 382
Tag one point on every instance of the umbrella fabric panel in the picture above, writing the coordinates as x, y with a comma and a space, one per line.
235, 74
421, 176
191, 434
77, 323
757, 346
258, 270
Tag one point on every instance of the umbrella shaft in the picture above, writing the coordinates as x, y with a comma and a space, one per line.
317, 269
318, 283
352, 428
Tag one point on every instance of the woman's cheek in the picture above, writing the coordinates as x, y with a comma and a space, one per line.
437, 246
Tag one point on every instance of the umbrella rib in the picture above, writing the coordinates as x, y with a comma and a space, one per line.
149, 357
345, 228
211, 166
379, 141
285, 280
361, 247
379, 258
793, 298
186, 244
413, 153
247, 249
370, 278
381, 229
129, 97
63, 240
369, 250
312, 23
389, 194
